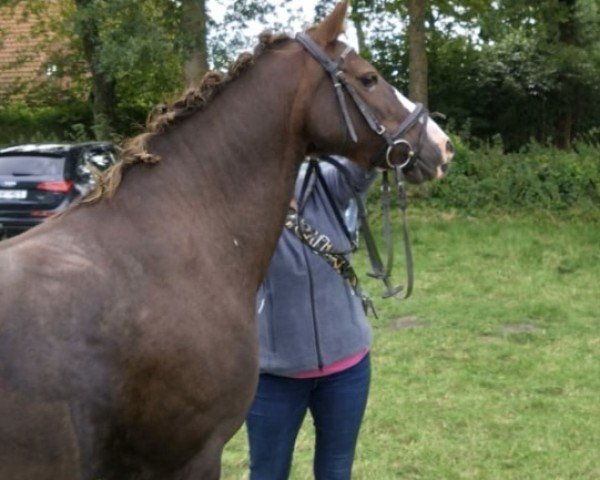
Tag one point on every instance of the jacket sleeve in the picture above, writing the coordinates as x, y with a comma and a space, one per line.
361, 179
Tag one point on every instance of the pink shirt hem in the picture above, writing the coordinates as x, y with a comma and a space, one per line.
334, 367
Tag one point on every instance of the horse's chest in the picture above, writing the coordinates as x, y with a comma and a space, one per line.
177, 396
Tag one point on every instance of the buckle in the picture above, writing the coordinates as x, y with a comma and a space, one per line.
411, 153
339, 74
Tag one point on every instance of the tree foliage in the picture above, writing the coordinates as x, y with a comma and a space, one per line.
513, 69
120, 55
521, 69
194, 31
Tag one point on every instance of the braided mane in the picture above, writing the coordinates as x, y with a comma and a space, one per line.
134, 150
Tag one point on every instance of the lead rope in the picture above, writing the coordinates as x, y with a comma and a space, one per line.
379, 271
321, 244
403, 205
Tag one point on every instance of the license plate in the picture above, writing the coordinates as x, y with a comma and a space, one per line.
13, 194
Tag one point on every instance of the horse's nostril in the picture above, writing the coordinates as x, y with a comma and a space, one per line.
445, 167
449, 147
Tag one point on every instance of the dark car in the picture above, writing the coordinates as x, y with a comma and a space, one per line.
39, 180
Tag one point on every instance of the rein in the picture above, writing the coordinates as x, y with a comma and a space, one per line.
321, 244
313, 238
392, 140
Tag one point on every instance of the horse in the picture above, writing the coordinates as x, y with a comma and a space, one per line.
128, 344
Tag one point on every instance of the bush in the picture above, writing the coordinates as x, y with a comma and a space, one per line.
538, 177
23, 124
479, 180
66, 123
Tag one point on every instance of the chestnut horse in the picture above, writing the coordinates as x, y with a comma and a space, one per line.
128, 344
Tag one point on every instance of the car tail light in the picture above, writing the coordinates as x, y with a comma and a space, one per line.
41, 213
61, 187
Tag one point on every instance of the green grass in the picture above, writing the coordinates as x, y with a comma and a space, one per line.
492, 369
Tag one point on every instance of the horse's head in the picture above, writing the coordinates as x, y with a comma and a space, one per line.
355, 112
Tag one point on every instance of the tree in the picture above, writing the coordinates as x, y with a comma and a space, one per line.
358, 16
230, 35
194, 30
538, 71
137, 46
570, 103
103, 81
131, 51
519, 68
417, 51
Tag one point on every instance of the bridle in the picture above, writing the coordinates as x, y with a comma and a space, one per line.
381, 270
393, 139
322, 246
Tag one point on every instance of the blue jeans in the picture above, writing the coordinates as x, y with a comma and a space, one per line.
337, 403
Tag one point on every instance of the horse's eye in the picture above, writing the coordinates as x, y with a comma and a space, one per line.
369, 80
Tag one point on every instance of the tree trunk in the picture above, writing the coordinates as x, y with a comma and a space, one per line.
564, 131
568, 96
104, 105
193, 24
103, 85
357, 17
417, 53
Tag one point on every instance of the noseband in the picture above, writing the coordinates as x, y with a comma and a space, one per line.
393, 140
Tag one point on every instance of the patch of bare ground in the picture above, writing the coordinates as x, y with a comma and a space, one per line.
406, 323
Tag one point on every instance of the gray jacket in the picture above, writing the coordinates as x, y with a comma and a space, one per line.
308, 315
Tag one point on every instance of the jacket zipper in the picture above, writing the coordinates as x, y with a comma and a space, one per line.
271, 325
313, 310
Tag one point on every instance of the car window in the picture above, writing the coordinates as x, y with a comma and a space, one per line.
21, 165
99, 159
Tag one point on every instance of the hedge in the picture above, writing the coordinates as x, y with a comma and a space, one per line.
536, 178
479, 180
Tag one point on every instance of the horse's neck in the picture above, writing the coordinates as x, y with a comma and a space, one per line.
231, 166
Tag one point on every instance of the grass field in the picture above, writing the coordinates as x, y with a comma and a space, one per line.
492, 369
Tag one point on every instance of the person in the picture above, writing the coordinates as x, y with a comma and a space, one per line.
314, 342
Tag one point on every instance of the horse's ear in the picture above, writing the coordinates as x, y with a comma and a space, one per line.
330, 28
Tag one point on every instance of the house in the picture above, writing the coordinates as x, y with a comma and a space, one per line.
24, 44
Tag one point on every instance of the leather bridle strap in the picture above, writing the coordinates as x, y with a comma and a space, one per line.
338, 77
403, 205
379, 270
321, 245
314, 169
340, 82
410, 121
